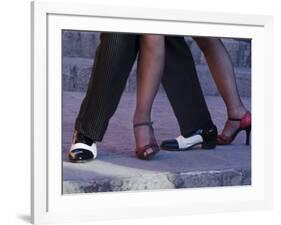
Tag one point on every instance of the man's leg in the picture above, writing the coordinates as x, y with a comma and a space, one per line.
184, 92
114, 59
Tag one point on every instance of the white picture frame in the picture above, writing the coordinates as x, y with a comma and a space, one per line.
49, 205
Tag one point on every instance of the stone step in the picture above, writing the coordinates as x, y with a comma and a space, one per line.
76, 73
168, 170
238, 49
84, 44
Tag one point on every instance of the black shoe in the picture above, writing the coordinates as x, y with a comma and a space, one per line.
204, 136
83, 149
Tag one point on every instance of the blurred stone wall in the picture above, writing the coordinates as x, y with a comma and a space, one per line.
79, 53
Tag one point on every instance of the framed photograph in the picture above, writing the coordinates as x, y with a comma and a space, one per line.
101, 75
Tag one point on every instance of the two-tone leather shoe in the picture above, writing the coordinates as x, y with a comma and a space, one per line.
82, 149
206, 137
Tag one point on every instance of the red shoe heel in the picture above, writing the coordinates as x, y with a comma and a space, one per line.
245, 124
248, 131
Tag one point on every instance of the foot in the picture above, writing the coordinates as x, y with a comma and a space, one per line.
82, 149
244, 125
231, 126
206, 137
146, 144
143, 135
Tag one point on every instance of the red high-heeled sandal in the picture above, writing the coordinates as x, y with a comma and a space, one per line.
245, 124
148, 151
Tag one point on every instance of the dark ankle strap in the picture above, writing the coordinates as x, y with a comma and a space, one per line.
234, 119
143, 124
247, 114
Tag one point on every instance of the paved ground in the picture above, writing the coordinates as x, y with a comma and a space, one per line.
117, 169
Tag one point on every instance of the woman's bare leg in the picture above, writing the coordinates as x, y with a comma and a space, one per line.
149, 74
222, 71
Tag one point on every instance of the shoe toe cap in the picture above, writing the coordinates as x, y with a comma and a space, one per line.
170, 144
81, 154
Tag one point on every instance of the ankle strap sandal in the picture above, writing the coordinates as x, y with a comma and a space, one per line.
148, 151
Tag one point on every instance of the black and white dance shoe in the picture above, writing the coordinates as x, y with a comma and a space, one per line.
83, 149
206, 137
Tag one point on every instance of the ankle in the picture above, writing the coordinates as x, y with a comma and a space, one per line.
236, 112
81, 138
141, 118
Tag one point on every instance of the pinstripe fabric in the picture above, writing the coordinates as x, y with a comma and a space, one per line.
182, 86
114, 59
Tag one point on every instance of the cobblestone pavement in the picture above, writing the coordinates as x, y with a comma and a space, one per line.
117, 169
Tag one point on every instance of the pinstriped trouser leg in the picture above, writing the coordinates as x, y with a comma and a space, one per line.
182, 86
114, 59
